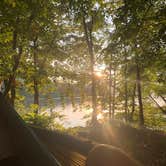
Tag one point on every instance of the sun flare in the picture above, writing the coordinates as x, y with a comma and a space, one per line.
98, 74
100, 116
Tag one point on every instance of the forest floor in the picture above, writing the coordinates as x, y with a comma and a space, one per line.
146, 146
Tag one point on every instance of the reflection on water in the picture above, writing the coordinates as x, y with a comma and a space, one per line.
74, 116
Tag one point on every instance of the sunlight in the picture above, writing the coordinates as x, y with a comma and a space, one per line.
100, 116
98, 74
87, 110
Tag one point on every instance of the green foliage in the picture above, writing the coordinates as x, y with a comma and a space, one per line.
73, 130
124, 34
43, 119
155, 119
40, 120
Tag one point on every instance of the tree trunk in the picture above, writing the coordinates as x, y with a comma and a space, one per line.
12, 89
35, 79
8, 82
133, 102
113, 93
16, 59
126, 89
36, 92
13, 93
110, 92
139, 90
89, 41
